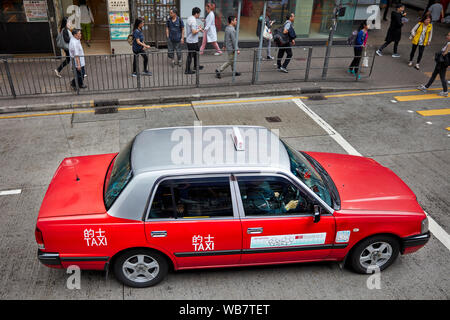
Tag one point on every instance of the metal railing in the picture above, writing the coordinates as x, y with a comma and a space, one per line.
104, 73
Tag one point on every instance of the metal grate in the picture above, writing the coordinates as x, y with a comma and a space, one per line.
273, 119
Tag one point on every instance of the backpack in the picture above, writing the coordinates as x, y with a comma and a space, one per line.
130, 39
352, 38
279, 37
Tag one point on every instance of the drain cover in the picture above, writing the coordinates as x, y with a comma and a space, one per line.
273, 119
317, 97
105, 110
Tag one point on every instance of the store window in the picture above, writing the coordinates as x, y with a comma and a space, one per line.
12, 11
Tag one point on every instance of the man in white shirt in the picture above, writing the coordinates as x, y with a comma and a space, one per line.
436, 11
192, 30
77, 56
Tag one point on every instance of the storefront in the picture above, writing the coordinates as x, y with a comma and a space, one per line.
25, 27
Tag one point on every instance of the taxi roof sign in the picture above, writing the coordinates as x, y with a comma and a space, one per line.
238, 140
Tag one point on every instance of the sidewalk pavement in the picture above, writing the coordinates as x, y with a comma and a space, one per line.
388, 73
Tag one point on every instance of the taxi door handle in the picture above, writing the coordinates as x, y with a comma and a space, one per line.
158, 234
254, 230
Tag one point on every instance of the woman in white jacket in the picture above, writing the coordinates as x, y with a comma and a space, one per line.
210, 33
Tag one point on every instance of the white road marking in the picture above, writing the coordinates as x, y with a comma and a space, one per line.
435, 228
9, 192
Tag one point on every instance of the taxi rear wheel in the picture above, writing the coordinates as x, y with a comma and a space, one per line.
140, 268
374, 254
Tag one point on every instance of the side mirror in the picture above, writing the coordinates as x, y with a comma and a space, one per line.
316, 213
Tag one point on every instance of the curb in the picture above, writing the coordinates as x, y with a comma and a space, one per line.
179, 98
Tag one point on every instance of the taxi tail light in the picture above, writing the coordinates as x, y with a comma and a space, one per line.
39, 238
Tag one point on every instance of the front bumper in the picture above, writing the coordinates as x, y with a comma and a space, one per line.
415, 241
49, 259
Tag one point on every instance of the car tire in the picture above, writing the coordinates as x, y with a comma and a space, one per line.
141, 268
374, 253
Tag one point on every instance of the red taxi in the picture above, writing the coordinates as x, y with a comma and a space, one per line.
206, 197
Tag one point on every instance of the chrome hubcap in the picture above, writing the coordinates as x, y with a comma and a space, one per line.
140, 268
375, 255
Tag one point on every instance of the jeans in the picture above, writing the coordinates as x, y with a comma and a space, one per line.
192, 55
267, 43
80, 78
413, 51
356, 60
281, 50
441, 70
141, 53
173, 46
65, 62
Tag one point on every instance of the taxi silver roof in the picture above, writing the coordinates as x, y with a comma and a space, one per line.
206, 147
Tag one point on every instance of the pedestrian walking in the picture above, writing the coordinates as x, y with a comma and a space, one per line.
360, 44
230, 45
63, 40
288, 31
436, 11
442, 60
265, 23
77, 57
420, 37
175, 36
86, 19
139, 47
210, 32
394, 33
192, 31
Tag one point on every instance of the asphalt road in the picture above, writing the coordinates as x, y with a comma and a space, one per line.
379, 125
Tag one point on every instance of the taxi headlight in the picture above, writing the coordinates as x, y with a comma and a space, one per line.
424, 226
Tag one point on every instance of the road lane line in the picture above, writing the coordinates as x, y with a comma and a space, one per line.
419, 97
9, 192
434, 112
324, 125
436, 229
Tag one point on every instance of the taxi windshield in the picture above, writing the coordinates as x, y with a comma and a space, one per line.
307, 173
121, 174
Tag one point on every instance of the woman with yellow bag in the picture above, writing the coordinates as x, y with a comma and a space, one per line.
420, 37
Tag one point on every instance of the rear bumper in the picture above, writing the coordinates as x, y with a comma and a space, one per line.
49, 259
416, 241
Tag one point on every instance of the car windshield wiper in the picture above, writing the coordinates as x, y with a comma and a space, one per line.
327, 179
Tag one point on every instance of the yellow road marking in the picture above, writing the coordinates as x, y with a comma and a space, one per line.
434, 112
429, 96
419, 97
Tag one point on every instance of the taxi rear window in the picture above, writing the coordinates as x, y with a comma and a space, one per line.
192, 198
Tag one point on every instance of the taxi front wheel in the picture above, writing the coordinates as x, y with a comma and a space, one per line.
140, 268
374, 254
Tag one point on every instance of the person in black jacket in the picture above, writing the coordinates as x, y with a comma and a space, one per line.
394, 33
64, 28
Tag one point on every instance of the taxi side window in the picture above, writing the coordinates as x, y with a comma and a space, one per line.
193, 198
272, 196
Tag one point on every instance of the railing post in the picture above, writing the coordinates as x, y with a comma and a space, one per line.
197, 69
373, 62
75, 74
308, 63
138, 74
8, 74
255, 69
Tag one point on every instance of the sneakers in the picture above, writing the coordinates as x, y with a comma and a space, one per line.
422, 88
237, 74
147, 73
189, 72
58, 74
395, 55
134, 74
218, 76
282, 69
378, 52
218, 53
443, 94
270, 58
416, 66
410, 64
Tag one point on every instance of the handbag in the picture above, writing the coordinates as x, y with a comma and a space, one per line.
267, 34
441, 59
60, 43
